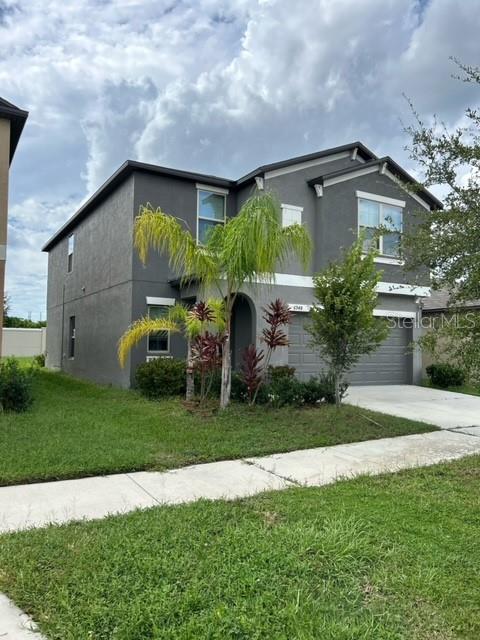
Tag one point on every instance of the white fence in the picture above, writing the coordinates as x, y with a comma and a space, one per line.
23, 342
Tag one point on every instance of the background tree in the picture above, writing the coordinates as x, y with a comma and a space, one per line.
342, 325
248, 248
448, 240
6, 307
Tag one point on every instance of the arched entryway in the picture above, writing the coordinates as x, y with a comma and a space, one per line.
243, 327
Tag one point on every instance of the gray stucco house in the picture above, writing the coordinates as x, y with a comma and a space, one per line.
97, 285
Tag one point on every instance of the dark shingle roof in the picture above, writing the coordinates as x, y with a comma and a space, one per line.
439, 300
130, 166
17, 119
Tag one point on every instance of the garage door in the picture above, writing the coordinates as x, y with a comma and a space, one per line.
391, 363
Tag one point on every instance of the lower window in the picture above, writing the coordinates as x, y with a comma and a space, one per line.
71, 337
158, 342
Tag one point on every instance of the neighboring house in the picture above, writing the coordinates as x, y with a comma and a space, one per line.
97, 285
12, 121
437, 306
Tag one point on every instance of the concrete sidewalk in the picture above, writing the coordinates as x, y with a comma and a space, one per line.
37, 505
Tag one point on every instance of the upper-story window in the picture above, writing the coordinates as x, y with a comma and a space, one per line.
211, 210
158, 342
378, 212
71, 247
291, 214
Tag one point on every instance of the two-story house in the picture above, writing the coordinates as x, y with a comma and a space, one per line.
12, 121
97, 285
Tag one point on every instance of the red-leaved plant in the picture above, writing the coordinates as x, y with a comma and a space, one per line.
206, 355
277, 316
251, 370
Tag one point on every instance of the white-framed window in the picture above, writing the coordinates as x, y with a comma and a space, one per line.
383, 213
211, 210
291, 214
71, 247
158, 342
71, 337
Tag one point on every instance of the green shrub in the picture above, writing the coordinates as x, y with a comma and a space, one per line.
285, 392
288, 391
39, 360
322, 389
315, 392
445, 375
161, 378
280, 372
15, 386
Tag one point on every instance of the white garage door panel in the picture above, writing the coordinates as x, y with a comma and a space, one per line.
390, 364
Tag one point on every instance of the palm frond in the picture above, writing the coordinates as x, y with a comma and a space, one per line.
255, 243
178, 313
155, 229
218, 308
141, 329
297, 241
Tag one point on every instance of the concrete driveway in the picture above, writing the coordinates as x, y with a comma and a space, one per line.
444, 409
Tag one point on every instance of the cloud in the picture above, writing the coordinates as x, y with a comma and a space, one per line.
31, 223
219, 86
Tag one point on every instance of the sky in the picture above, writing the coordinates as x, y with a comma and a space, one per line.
214, 86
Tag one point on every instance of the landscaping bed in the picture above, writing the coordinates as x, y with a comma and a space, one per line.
77, 428
390, 557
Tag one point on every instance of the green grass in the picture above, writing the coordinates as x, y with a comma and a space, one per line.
76, 429
394, 557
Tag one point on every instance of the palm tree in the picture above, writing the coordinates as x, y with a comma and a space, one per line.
192, 322
246, 250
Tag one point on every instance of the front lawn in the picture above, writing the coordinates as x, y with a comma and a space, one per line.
76, 429
394, 557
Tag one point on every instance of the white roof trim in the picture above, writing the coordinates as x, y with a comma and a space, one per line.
275, 173
415, 196
392, 288
390, 313
294, 207
363, 171
206, 187
377, 198
379, 313
163, 302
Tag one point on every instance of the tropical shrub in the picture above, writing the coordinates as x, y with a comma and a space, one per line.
445, 375
161, 378
15, 386
251, 246
251, 370
280, 371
